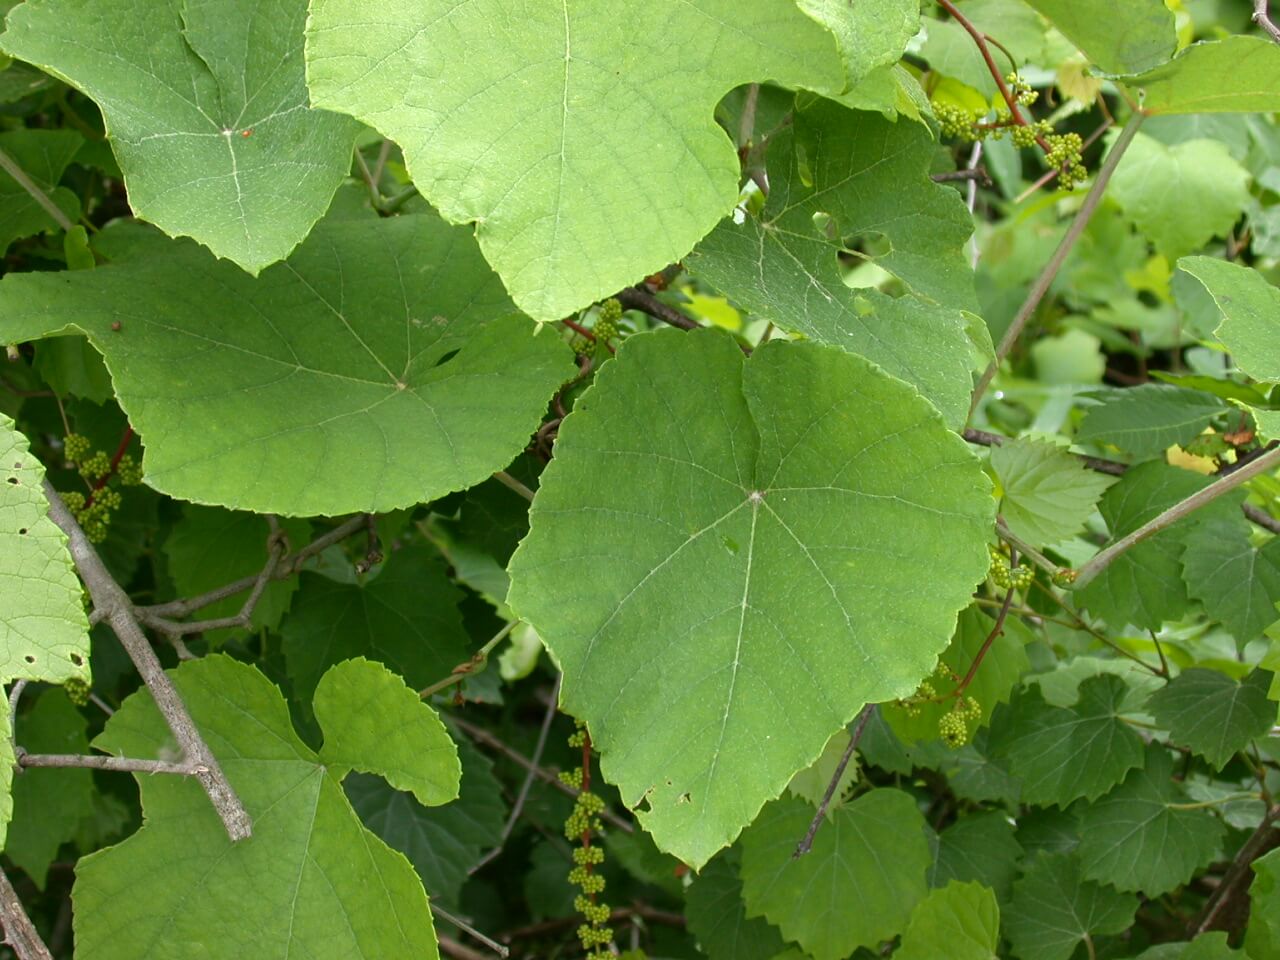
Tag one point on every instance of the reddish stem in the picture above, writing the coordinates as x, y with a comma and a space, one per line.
115, 464
996, 631
583, 331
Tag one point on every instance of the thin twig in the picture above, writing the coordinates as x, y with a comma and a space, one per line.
974, 174
996, 630
10, 166
1164, 664
1030, 552
472, 665
96, 762
15, 694
636, 298
517, 808
452, 948
1236, 879
805, 845
1263, 464
747, 122
507, 480
482, 736
109, 597
1262, 17
465, 927
19, 932
1050, 271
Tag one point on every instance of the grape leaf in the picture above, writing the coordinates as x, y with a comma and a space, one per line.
406, 617
48, 804
1250, 306
44, 633
870, 852
765, 485
978, 847
1143, 586
1149, 418
1119, 37
1134, 839
1054, 909
783, 265
1213, 714
1262, 938
1204, 169
554, 186
812, 782
311, 881
1238, 584
1061, 754
718, 918
1207, 946
359, 375
206, 108
1234, 75
42, 155
960, 921
868, 35
1047, 494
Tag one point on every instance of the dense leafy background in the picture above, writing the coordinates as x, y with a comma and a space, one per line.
441, 383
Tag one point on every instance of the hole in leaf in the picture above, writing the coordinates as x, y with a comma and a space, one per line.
77, 659
22, 531
445, 358
29, 658
13, 480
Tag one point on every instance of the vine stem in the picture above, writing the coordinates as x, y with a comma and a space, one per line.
1234, 882
511, 483
805, 845
1262, 17
465, 927
1268, 461
10, 166
477, 662
19, 932
95, 762
1050, 271
996, 630
115, 607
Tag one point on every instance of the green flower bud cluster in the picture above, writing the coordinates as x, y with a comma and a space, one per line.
1064, 578
595, 935
954, 725
584, 816
1004, 577
93, 513
606, 327
1065, 153
75, 447
94, 517
1021, 90
129, 471
925, 693
957, 122
95, 466
571, 778
77, 691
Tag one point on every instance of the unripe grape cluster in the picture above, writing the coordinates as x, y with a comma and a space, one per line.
606, 327
1065, 153
595, 935
76, 447
93, 512
954, 726
957, 122
77, 691
1004, 577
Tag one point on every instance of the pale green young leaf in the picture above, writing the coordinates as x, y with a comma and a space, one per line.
1134, 838
1235, 75
1047, 493
783, 263
960, 921
360, 375
442, 843
406, 617
1250, 306
1238, 584
44, 633
950, 49
1055, 909
1063, 753
868, 35
206, 109
1213, 714
718, 918
48, 804
1150, 174
1262, 938
733, 514
1207, 946
811, 783
978, 847
1147, 419
1123, 37
311, 881
42, 155
551, 157
871, 852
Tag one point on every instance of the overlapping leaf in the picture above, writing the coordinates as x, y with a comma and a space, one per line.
718, 917
1239, 584
1250, 306
44, 634
871, 852
1054, 909
1120, 38
1136, 838
979, 847
544, 123
1213, 714
381, 366
311, 881
206, 108
42, 155
1262, 939
1147, 419
731, 513
960, 921
868, 35
862, 175
1235, 75
1047, 494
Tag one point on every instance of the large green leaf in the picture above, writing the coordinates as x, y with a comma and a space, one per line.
562, 130
1262, 939
1135, 838
1061, 754
406, 617
1250, 306
1213, 714
1204, 169
960, 921
868, 35
1148, 419
978, 847
1047, 494
1119, 37
871, 852
311, 881
1054, 909
43, 155
206, 108
44, 633
1207, 946
1235, 75
734, 516
718, 917
782, 263
1238, 584
360, 375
